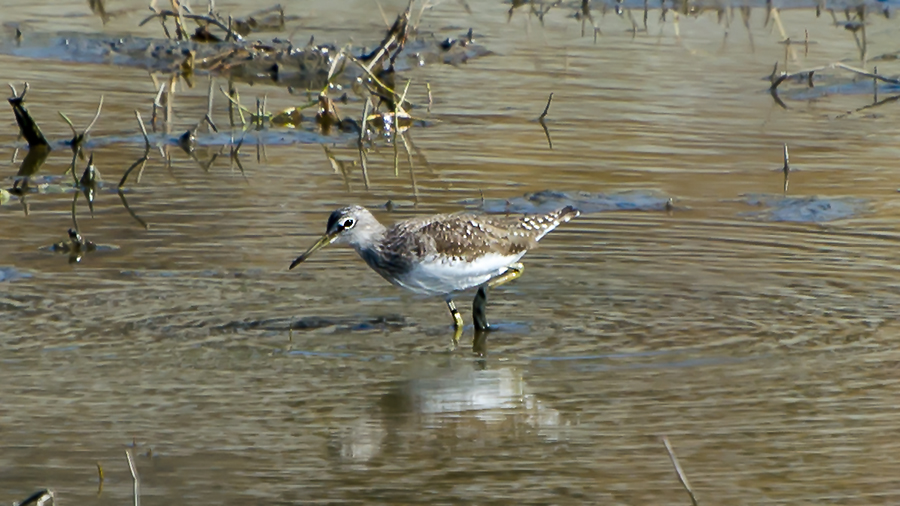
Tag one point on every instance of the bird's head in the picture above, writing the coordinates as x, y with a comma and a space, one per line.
353, 225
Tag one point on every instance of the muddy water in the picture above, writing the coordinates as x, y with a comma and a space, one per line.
761, 344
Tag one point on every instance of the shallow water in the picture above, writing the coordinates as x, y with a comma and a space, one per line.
761, 346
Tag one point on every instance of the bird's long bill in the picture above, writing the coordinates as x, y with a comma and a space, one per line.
325, 240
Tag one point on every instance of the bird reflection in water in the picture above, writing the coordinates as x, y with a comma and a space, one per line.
454, 406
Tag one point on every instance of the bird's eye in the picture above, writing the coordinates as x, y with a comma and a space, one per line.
348, 223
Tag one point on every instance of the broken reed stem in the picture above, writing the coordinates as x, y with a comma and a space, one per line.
96, 117
337, 59
412, 174
260, 114
68, 122
370, 74
265, 100
157, 105
134, 477
90, 125
231, 92
787, 48
179, 20
235, 103
786, 168
396, 149
209, 106
230, 34
875, 86
403, 98
681, 476
362, 134
546, 108
430, 100
170, 99
28, 128
381, 51
24, 90
398, 106
365, 119
143, 129
777, 19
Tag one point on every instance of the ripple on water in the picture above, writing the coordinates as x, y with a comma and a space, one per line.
8, 273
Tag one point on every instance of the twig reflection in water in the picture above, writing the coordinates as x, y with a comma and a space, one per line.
541, 120
141, 162
76, 246
88, 185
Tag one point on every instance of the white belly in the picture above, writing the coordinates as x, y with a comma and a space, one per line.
439, 276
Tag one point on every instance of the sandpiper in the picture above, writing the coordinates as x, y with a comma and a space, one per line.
443, 253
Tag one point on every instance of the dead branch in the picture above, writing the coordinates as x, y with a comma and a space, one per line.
163, 14
837, 65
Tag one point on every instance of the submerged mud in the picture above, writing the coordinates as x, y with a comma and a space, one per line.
277, 62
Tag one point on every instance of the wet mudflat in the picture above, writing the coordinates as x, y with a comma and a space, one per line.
756, 331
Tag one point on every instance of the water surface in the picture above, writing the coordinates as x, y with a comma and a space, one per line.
762, 347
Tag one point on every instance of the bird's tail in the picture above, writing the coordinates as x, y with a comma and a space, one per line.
547, 222
567, 213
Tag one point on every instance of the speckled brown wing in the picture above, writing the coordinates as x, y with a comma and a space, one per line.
468, 236
533, 226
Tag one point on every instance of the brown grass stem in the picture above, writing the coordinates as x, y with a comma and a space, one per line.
680, 472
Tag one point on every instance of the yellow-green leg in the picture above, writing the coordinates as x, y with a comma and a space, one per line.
457, 321
512, 272
479, 314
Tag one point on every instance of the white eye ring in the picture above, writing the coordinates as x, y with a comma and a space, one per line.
348, 223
